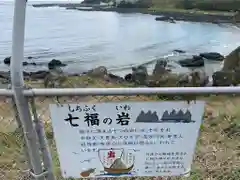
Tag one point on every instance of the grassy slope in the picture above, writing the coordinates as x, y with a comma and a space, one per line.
217, 155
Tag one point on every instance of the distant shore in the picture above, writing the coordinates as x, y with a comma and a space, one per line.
177, 14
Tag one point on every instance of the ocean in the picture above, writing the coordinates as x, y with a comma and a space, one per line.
85, 40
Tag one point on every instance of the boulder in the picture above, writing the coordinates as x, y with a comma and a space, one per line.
195, 61
7, 60
232, 61
128, 77
212, 56
166, 80
27, 63
236, 17
179, 51
196, 78
38, 75
166, 19
100, 72
223, 78
139, 74
5, 75
55, 78
55, 63
115, 78
160, 68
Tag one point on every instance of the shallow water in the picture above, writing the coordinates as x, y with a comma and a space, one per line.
85, 40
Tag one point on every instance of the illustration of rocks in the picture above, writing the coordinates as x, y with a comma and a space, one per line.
172, 117
149, 117
177, 117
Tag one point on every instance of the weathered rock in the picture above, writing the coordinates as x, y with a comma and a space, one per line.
166, 19
27, 63
195, 61
7, 60
55, 63
236, 18
55, 78
139, 74
223, 78
232, 61
179, 51
5, 75
160, 68
115, 78
128, 77
198, 78
184, 79
166, 80
212, 56
100, 72
226, 78
38, 75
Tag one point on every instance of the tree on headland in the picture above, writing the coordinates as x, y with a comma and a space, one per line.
96, 1
134, 4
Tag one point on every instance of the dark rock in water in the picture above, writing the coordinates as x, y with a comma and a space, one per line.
179, 51
166, 19
160, 68
212, 56
196, 58
195, 61
30, 57
55, 63
27, 63
128, 77
7, 60
139, 74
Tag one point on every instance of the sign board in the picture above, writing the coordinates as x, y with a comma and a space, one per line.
126, 138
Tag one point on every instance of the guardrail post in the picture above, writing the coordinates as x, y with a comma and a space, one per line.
17, 81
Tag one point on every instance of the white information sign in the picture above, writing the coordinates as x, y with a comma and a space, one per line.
126, 138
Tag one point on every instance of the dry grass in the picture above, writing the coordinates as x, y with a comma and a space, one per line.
217, 154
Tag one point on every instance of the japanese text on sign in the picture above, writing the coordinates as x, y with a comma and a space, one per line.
126, 138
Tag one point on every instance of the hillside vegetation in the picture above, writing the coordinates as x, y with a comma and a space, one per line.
207, 5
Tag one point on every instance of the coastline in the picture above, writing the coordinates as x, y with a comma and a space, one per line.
176, 14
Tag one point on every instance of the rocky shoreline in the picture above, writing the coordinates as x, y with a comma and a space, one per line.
177, 15
160, 77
